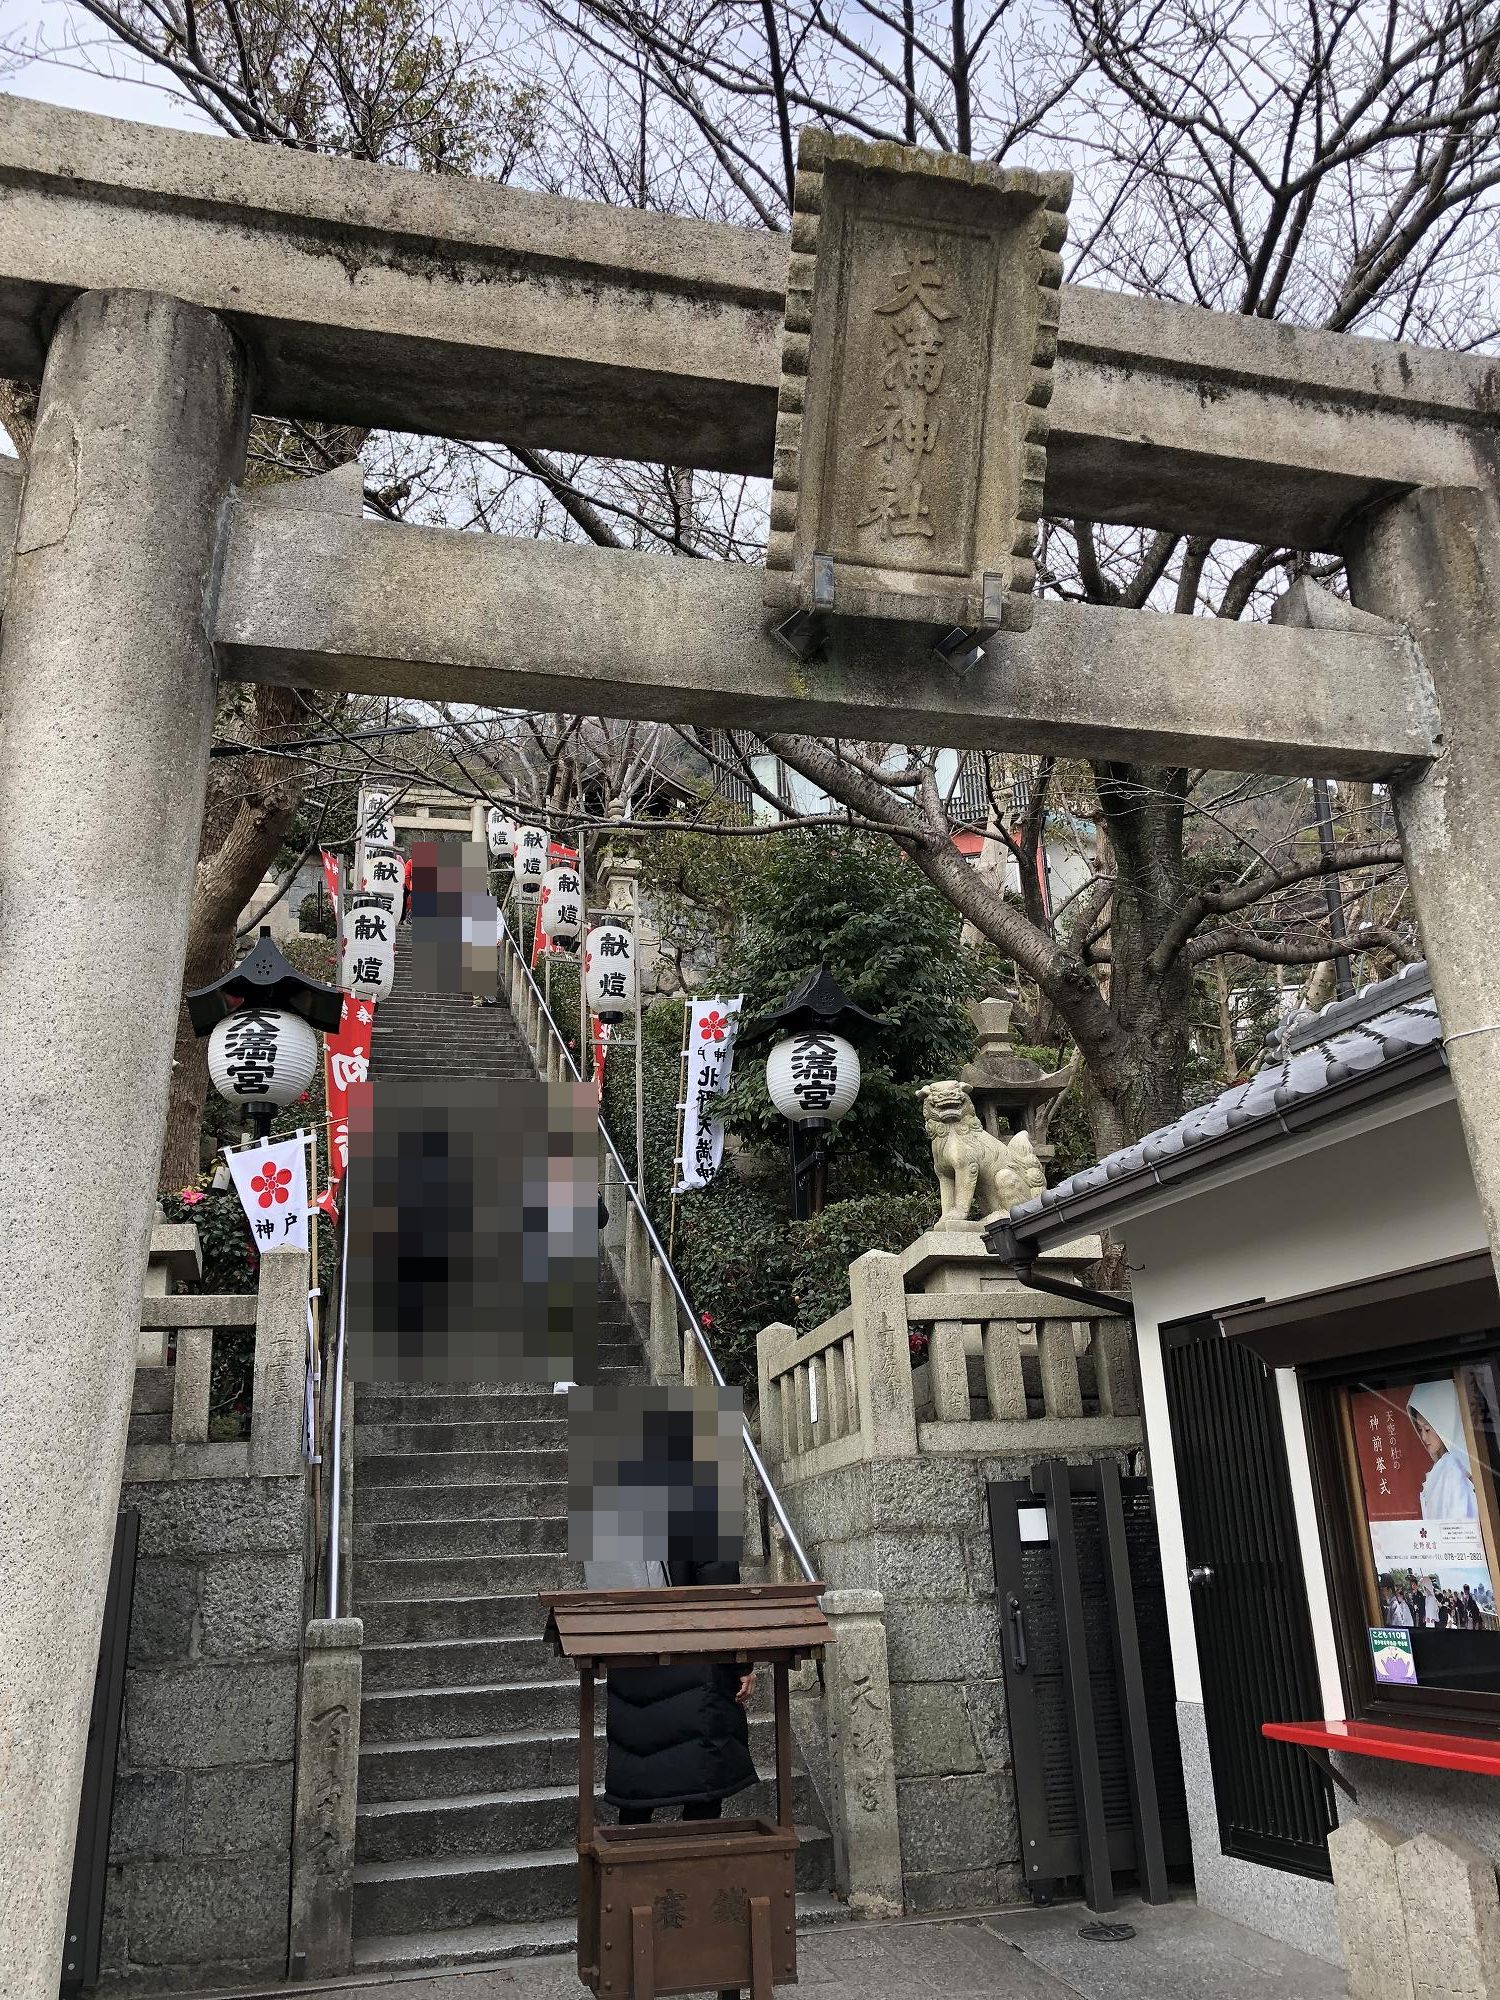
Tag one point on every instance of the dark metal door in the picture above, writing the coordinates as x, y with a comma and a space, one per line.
1088, 1680
1255, 1649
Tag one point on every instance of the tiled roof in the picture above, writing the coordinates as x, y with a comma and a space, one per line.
1348, 1038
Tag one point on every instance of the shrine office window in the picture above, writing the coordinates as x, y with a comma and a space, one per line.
1406, 1455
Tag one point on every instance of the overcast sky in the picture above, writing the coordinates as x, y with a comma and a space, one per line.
84, 67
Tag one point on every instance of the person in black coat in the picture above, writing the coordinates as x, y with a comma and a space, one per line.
678, 1736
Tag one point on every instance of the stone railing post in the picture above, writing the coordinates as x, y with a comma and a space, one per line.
192, 1377
948, 1367
773, 1443
322, 1926
666, 1337
616, 1201
882, 1355
862, 1755
175, 1255
637, 1257
280, 1364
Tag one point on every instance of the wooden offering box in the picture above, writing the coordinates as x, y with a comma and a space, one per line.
687, 1906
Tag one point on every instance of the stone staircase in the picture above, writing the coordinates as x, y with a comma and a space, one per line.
468, 1724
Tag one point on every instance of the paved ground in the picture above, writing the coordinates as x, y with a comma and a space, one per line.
1178, 1953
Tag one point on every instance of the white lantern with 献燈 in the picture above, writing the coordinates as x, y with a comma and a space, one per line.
609, 971
561, 914
530, 860
368, 963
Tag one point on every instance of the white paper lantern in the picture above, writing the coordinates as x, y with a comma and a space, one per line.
368, 965
500, 830
262, 1055
377, 823
561, 914
812, 1074
530, 860
609, 971
382, 873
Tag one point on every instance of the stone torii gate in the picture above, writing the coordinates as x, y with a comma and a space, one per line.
160, 286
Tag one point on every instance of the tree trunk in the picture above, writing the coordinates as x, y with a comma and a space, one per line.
230, 865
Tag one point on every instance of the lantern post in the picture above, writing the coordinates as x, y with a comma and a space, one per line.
812, 1075
260, 1020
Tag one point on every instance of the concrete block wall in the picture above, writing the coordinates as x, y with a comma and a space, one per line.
917, 1530
200, 1845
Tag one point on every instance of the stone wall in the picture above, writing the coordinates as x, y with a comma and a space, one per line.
200, 1847
916, 1530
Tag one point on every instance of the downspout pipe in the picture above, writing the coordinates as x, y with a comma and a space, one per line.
1001, 1240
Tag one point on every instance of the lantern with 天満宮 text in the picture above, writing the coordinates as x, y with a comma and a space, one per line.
262, 1055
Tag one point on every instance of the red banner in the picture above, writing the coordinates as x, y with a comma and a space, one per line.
331, 874
346, 1058
601, 1050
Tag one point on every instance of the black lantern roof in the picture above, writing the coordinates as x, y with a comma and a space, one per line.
265, 979
818, 1001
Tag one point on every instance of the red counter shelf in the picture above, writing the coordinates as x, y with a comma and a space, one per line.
1437, 1750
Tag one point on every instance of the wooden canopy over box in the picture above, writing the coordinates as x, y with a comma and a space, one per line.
779, 1622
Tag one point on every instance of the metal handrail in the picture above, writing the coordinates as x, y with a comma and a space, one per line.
767, 1486
336, 1486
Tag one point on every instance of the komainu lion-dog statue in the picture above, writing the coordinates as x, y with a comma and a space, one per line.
969, 1161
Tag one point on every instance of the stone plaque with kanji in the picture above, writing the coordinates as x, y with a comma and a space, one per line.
921, 323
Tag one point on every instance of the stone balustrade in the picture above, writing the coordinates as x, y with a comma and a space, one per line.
278, 1313
941, 1351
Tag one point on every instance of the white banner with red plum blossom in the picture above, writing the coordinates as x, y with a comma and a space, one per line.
712, 1027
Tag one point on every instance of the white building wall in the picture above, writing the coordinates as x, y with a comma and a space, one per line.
1380, 1194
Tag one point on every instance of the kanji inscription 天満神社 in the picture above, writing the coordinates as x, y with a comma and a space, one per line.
921, 322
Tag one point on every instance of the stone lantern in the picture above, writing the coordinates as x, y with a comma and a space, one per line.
1008, 1089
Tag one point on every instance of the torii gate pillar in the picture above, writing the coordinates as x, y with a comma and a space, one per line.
106, 708
1431, 562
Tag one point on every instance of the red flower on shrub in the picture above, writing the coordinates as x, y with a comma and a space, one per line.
917, 1347
191, 1196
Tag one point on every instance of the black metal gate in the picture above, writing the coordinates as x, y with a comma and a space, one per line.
1088, 1680
1255, 1647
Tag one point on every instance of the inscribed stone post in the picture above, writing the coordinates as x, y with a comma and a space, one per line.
921, 323
862, 1754
327, 1793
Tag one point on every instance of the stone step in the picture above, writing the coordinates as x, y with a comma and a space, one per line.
405, 1714
519, 1534
406, 1664
149, 1427
541, 1816
459, 1468
480, 1502
405, 1621
448, 1403
480, 1944
378, 1579
549, 1433
396, 1897
507, 1760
